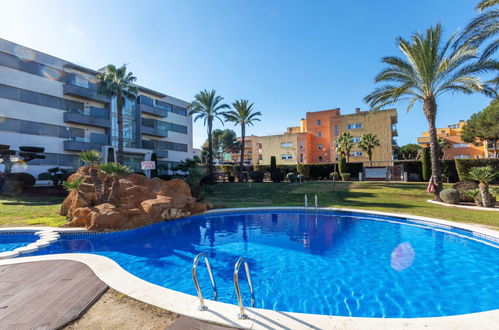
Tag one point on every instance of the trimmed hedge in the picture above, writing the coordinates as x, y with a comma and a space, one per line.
463, 166
426, 163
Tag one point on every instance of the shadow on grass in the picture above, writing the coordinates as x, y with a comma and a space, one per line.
31, 201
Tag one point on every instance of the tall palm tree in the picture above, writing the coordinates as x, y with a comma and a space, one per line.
113, 173
484, 175
430, 68
345, 145
443, 145
367, 143
242, 115
118, 83
208, 106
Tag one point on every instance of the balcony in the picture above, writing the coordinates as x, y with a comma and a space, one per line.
95, 142
82, 88
92, 116
394, 130
160, 153
150, 110
154, 131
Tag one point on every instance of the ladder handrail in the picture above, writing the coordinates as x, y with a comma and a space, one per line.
202, 306
241, 314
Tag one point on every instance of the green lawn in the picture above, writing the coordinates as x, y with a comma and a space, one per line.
30, 211
393, 197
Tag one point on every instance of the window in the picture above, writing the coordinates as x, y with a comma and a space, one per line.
30, 127
357, 153
461, 156
9, 60
356, 139
336, 131
318, 122
286, 156
286, 144
301, 158
9, 124
301, 145
49, 101
9, 92
319, 146
48, 130
461, 145
80, 81
320, 158
319, 134
354, 126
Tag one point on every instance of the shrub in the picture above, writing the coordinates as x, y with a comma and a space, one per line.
450, 196
463, 187
261, 168
231, 178
300, 177
291, 177
277, 176
24, 180
425, 164
45, 176
449, 170
257, 176
464, 165
273, 164
345, 176
334, 176
342, 165
304, 169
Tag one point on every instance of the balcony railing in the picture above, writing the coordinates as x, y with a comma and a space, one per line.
82, 88
144, 108
92, 116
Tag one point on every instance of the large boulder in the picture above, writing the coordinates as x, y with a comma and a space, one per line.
138, 201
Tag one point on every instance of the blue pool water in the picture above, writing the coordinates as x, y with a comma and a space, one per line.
336, 263
11, 241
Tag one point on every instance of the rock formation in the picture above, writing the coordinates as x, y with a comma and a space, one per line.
139, 201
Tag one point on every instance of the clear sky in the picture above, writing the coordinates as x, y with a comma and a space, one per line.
288, 57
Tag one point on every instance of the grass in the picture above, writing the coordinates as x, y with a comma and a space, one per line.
30, 211
394, 197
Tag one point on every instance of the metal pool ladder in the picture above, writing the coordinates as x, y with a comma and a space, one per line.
202, 306
241, 260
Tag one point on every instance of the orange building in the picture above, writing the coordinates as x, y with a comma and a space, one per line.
314, 141
458, 148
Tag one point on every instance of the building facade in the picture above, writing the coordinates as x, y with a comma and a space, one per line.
458, 148
55, 104
315, 140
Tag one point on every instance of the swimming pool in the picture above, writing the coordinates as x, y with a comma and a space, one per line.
335, 263
12, 241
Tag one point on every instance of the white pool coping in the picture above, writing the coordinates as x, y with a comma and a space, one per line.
469, 207
222, 313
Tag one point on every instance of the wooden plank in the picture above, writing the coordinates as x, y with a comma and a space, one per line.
46, 294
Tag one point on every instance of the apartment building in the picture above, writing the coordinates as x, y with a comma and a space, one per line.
458, 148
55, 104
252, 151
315, 139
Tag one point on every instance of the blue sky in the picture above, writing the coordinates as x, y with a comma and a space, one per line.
288, 57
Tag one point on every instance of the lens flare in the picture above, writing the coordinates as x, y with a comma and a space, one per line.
51, 73
21, 167
402, 257
24, 53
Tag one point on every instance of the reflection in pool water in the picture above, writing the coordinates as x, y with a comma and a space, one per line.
333, 263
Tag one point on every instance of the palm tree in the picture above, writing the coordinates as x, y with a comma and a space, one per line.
483, 28
113, 173
443, 145
118, 83
367, 143
93, 158
484, 175
430, 68
345, 145
208, 106
242, 115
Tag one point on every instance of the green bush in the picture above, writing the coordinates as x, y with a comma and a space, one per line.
342, 165
464, 165
345, 176
277, 176
273, 164
45, 176
262, 168
231, 178
334, 176
286, 168
291, 177
300, 177
304, 169
257, 176
450, 196
425, 164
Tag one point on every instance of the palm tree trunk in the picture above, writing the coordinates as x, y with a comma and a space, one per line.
210, 151
241, 161
114, 188
97, 184
486, 196
370, 154
119, 109
430, 110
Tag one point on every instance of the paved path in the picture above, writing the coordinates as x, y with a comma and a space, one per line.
46, 294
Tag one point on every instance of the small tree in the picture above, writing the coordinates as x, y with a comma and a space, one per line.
426, 163
408, 151
367, 143
73, 185
345, 145
113, 173
93, 158
443, 145
9, 157
483, 126
273, 164
484, 175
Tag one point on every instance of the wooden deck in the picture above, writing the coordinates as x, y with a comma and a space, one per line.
188, 323
46, 294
